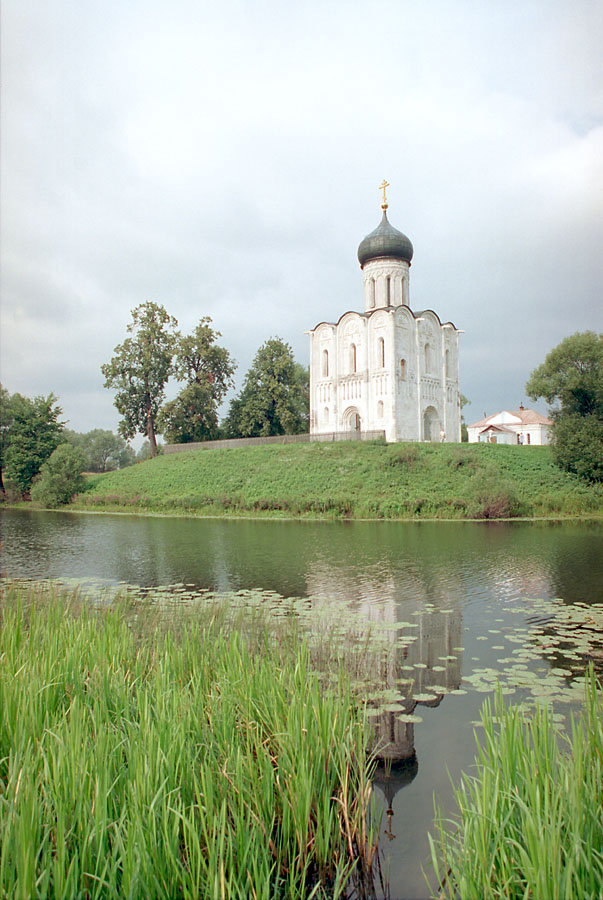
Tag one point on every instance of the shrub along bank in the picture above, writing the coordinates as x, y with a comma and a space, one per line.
355, 480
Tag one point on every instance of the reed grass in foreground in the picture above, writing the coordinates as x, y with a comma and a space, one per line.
196, 765
530, 823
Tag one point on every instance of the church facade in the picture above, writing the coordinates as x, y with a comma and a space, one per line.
388, 368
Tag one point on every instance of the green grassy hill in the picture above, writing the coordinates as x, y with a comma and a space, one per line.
359, 480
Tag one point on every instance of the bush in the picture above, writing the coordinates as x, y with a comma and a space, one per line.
60, 477
402, 455
578, 445
492, 499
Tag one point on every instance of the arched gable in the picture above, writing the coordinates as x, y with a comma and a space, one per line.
351, 323
379, 319
360, 318
431, 314
403, 316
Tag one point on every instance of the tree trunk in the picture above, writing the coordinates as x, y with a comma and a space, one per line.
151, 434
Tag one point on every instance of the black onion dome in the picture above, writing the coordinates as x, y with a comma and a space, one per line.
385, 241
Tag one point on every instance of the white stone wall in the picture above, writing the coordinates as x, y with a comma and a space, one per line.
386, 369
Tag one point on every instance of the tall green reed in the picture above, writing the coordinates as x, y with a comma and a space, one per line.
207, 763
530, 822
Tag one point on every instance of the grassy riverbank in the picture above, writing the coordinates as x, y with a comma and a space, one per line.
355, 480
206, 761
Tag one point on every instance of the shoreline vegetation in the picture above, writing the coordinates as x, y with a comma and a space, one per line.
529, 823
190, 756
219, 753
349, 480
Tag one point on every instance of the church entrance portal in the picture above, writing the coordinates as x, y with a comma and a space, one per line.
431, 425
352, 420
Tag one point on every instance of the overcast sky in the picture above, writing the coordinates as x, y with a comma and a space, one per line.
223, 158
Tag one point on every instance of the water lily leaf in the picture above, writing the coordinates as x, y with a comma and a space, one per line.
406, 717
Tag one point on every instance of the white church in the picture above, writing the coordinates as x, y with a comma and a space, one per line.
389, 368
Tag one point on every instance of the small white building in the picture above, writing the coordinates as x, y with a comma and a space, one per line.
387, 368
521, 426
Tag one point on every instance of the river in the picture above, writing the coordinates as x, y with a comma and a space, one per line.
468, 590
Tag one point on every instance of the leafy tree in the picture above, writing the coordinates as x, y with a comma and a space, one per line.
127, 457
145, 451
192, 416
464, 433
572, 377
140, 369
207, 370
104, 450
6, 421
578, 445
274, 398
30, 432
60, 477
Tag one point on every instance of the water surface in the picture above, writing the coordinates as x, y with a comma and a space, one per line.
465, 590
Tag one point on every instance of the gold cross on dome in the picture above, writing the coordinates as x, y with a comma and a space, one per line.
384, 184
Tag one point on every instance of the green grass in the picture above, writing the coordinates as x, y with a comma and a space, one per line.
202, 762
363, 480
530, 822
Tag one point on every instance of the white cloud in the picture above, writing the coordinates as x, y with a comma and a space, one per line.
223, 160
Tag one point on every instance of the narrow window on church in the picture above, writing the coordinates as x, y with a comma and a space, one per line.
325, 363
388, 288
448, 364
381, 353
380, 409
372, 292
427, 358
403, 369
529, 437
353, 358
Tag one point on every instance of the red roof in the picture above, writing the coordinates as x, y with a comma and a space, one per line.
526, 417
497, 428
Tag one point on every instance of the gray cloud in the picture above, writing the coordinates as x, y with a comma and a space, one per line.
223, 160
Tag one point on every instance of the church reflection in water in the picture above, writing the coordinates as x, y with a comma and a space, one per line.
432, 660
